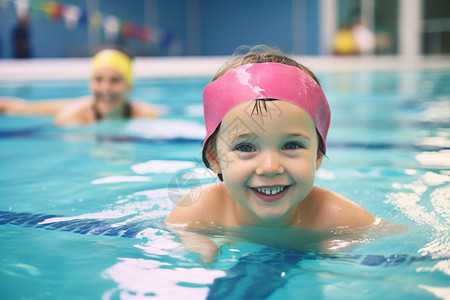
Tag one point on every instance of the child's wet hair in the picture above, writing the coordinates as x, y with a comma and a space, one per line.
252, 55
260, 54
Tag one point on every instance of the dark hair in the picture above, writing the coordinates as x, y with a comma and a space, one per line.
256, 54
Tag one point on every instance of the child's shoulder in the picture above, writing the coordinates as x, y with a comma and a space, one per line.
205, 195
327, 209
201, 206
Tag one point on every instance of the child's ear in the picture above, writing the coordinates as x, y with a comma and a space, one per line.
319, 160
211, 156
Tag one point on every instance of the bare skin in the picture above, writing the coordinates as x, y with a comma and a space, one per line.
321, 209
80, 112
17, 106
312, 229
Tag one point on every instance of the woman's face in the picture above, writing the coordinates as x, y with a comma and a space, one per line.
268, 161
110, 91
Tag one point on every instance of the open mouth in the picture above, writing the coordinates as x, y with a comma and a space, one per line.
270, 194
270, 190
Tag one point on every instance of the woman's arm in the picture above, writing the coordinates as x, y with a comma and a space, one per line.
18, 106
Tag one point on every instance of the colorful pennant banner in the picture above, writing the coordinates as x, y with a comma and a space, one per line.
75, 16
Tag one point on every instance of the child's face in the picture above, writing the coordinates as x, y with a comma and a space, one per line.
109, 89
268, 160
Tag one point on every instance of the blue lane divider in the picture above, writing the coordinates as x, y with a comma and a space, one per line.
23, 132
109, 228
261, 273
81, 226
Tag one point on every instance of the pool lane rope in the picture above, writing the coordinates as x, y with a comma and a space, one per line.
109, 228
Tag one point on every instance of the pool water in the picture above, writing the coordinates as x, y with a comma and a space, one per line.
82, 209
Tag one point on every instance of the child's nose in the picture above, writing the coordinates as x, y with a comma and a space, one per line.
269, 165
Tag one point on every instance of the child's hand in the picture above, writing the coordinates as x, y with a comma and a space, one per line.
200, 244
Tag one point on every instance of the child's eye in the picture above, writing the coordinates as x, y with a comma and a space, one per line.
292, 146
245, 148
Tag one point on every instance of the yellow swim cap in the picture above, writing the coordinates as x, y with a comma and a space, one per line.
116, 60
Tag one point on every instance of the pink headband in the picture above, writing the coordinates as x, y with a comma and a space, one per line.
260, 81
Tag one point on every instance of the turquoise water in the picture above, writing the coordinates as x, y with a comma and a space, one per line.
82, 210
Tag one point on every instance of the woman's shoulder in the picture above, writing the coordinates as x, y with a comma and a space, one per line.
327, 209
79, 112
140, 109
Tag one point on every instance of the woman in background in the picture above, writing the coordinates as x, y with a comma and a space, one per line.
110, 84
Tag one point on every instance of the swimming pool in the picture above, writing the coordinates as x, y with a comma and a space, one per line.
82, 210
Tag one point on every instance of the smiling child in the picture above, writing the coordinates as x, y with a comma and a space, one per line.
267, 120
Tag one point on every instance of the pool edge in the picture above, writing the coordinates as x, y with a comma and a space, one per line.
169, 67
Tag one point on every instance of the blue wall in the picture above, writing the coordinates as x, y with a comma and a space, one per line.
195, 27
225, 25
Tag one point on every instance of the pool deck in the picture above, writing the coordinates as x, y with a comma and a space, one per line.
163, 67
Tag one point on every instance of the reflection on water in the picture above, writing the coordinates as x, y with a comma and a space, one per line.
389, 151
426, 202
440, 159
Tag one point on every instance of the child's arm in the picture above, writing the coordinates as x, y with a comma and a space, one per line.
198, 243
193, 213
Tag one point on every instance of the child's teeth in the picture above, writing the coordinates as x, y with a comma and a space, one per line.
271, 191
